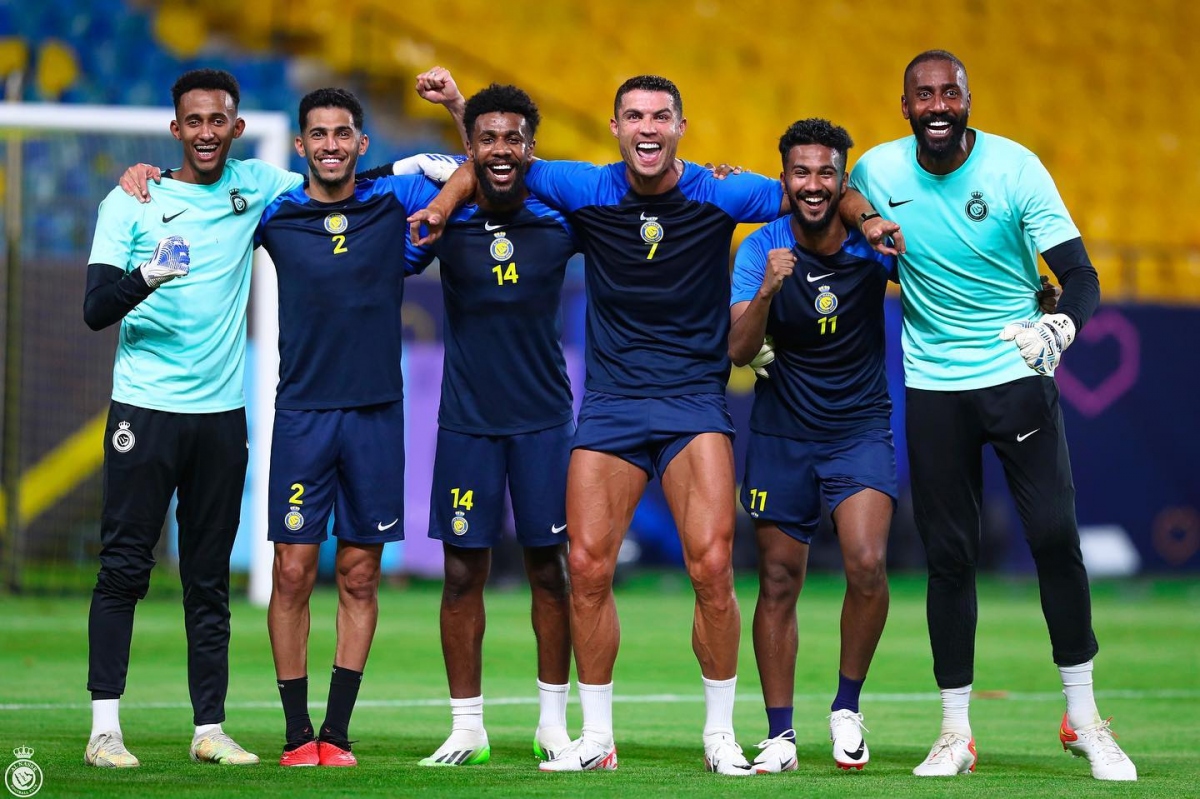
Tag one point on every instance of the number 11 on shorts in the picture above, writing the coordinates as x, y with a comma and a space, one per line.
758, 499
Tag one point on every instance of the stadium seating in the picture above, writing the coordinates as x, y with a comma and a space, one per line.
1096, 88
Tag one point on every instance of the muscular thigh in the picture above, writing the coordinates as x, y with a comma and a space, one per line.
602, 492
699, 487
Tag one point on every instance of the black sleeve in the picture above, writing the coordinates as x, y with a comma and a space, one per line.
384, 171
111, 293
1080, 285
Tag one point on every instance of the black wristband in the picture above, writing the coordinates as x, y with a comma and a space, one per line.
863, 218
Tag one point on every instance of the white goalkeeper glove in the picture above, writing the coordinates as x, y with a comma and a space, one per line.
169, 261
1042, 342
765, 357
434, 166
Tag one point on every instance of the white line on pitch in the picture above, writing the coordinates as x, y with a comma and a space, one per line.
644, 699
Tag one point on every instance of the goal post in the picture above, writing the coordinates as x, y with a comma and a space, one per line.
270, 136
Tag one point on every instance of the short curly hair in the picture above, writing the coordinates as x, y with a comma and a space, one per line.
815, 131
206, 79
501, 99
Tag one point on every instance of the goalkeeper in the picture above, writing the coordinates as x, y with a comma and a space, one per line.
177, 419
977, 209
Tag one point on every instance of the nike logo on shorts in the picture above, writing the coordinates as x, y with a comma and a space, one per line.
556, 528
1024, 436
382, 527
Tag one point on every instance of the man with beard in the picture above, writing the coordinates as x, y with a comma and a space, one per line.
656, 232
820, 426
978, 209
338, 441
505, 414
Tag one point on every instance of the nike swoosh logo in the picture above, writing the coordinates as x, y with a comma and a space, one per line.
812, 279
490, 227
857, 753
167, 219
893, 204
381, 526
1024, 436
554, 528
648, 218
586, 764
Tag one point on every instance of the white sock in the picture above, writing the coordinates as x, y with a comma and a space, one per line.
105, 716
553, 702
205, 729
1081, 702
956, 702
467, 714
596, 701
718, 706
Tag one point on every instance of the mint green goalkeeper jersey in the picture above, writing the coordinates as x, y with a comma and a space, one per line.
183, 348
973, 239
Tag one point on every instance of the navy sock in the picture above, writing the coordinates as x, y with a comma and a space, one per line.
779, 721
294, 694
847, 694
343, 693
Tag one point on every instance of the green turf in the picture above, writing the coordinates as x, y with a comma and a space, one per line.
1147, 677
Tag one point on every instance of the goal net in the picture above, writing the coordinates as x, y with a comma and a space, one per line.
57, 162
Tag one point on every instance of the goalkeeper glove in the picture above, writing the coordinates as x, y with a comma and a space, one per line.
765, 357
1042, 342
169, 261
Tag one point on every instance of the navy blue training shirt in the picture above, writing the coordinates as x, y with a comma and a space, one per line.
341, 270
504, 372
829, 378
657, 271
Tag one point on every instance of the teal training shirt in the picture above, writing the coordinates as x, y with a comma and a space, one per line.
183, 348
973, 239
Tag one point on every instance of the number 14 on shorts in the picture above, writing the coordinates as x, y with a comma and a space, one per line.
462, 499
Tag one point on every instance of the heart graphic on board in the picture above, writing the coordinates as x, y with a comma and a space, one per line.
1091, 401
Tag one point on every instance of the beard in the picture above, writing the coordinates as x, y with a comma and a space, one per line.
498, 195
958, 127
332, 183
808, 224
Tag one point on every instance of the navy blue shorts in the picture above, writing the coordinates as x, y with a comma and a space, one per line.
648, 431
350, 462
785, 478
466, 507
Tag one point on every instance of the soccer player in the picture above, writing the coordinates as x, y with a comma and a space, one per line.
820, 426
656, 233
338, 441
978, 209
177, 419
505, 413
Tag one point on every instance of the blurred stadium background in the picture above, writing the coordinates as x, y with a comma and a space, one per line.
1098, 89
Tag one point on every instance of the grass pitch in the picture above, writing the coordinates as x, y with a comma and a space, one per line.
1147, 678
